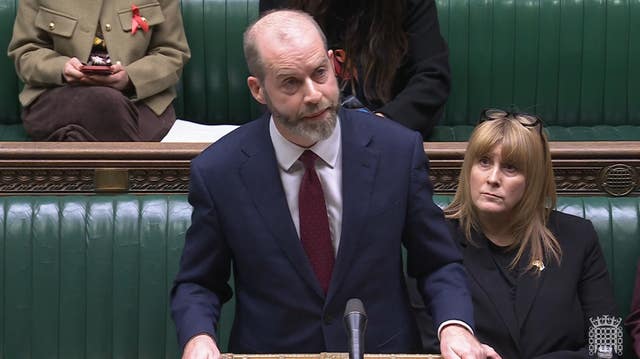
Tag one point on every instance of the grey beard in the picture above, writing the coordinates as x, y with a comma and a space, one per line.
314, 131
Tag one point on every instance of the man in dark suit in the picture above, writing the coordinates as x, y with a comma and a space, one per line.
304, 237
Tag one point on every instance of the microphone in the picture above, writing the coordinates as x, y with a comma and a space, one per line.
355, 319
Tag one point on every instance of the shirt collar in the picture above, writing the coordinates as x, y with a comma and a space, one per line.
287, 153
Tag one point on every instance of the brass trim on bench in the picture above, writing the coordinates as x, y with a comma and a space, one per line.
111, 180
581, 168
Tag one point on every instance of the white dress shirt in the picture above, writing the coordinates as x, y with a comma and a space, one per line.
328, 167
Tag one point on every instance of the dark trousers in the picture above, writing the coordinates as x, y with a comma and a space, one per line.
93, 113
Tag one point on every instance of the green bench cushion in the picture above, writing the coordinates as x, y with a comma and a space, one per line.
89, 276
214, 87
9, 84
13, 132
572, 62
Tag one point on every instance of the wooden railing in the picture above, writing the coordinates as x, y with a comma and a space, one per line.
581, 168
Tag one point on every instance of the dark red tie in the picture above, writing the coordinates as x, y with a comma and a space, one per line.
314, 223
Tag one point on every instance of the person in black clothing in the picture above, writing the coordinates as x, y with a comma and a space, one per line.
390, 56
538, 277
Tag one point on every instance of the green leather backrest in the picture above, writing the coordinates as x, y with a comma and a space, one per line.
214, 87
89, 276
573, 62
570, 62
9, 84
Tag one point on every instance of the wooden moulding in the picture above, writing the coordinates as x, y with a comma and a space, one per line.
101, 167
581, 168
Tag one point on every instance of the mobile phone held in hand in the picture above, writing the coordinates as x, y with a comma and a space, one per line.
96, 70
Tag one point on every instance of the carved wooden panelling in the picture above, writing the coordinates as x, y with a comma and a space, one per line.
159, 180
445, 179
52, 180
581, 168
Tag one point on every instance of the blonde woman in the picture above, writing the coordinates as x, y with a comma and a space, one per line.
536, 275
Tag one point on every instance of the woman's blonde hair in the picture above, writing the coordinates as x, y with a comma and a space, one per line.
525, 146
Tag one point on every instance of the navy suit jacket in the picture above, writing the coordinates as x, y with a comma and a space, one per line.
241, 220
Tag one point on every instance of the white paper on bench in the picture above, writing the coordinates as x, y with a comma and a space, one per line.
186, 131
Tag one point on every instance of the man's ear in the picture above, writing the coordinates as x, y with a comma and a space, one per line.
256, 89
330, 54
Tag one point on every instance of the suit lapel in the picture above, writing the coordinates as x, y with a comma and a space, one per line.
482, 269
528, 287
261, 178
359, 163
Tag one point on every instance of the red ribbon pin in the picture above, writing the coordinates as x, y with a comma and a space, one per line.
137, 21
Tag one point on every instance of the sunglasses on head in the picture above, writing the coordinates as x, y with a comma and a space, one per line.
525, 119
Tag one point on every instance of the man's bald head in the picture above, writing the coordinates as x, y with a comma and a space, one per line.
284, 26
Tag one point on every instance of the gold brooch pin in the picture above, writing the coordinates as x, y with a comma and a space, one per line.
538, 264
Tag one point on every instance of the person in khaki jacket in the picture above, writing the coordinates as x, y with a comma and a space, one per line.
100, 70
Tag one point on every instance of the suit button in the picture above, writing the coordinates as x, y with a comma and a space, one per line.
107, 27
52, 26
328, 319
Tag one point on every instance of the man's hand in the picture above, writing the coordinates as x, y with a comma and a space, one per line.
456, 342
201, 347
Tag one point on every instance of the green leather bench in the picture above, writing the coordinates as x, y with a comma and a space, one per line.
573, 62
89, 276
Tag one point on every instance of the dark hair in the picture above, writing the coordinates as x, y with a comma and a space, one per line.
372, 37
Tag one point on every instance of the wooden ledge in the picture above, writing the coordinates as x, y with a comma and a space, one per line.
99, 151
581, 168
95, 167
